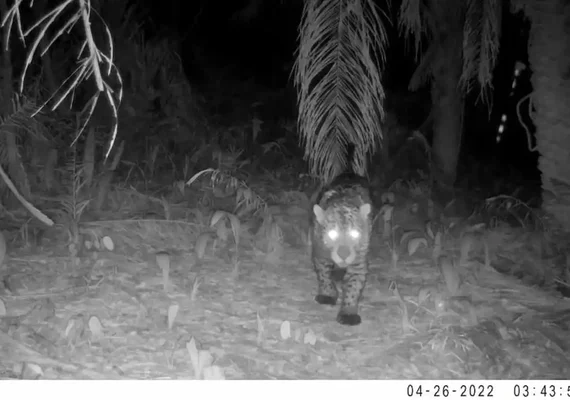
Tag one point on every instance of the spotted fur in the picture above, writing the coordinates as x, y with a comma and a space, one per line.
341, 224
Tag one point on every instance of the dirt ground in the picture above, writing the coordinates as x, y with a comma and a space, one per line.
107, 315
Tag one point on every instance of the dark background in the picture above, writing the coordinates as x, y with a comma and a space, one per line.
262, 49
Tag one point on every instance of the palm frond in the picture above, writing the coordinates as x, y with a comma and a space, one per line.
93, 63
490, 41
73, 203
471, 42
481, 36
412, 22
337, 73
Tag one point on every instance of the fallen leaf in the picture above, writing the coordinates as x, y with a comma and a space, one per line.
163, 261
213, 373
205, 359
95, 327
201, 244
260, 329
297, 334
310, 338
414, 245
172, 312
285, 330
108, 243
194, 357
218, 215
75, 329
32, 371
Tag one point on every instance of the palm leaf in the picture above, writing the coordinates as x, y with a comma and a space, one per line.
413, 22
490, 40
338, 78
481, 39
481, 36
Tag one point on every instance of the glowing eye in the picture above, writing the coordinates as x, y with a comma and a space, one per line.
354, 233
333, 234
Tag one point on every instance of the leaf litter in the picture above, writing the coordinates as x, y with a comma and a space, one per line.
201, 300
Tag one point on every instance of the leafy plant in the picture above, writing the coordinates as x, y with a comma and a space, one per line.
224, 184
525, 215
73, 203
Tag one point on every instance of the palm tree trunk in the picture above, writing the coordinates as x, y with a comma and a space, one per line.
447, 96
549, 57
